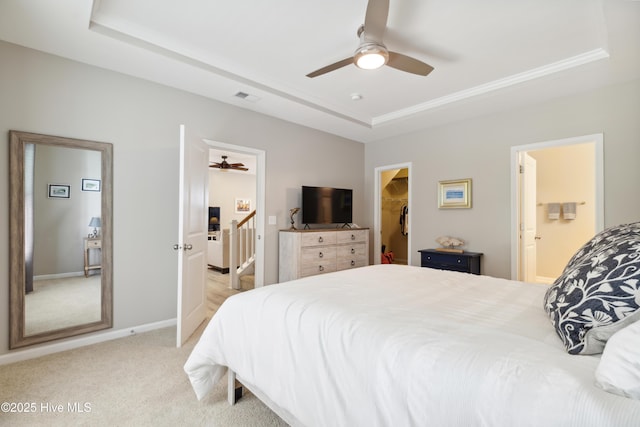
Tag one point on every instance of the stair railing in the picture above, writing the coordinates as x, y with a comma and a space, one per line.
242, 247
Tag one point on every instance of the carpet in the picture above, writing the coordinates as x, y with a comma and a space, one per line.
133, 381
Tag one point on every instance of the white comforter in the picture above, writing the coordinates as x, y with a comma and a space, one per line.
390, 345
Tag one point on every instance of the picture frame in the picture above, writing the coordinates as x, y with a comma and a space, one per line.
243, 205
454, 194
59, 191
91, 184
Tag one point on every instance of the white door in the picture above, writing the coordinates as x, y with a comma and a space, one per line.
528, 218
192, 236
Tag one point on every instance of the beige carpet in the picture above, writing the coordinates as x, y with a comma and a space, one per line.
133, 381
60, 303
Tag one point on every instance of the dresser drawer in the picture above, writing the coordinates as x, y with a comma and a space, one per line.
318, 254
356, 250
94, 243
352, 236
317, 260
351, 256
318, 238
467, 262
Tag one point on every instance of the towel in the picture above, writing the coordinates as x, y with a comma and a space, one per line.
569, 210
553, 210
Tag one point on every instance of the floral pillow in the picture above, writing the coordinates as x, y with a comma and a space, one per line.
598, 292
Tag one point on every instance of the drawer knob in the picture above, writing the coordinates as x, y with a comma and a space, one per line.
320, 268
353, 263
320, 239
353, 251
459, 261
320, 254
353, 237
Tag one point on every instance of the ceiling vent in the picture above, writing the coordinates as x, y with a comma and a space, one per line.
246, 96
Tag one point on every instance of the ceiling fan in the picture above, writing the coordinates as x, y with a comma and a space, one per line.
372, 53
224, 165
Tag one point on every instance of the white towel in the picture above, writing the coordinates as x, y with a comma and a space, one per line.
553, 210
569, 210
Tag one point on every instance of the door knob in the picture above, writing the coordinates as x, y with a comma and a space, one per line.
177, 247
188, 247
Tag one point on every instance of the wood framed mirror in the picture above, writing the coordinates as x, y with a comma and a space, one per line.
61, 244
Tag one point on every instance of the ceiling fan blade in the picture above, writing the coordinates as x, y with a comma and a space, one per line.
375, 20
239, 168
233, 165
410, 65
331, 67
215, 166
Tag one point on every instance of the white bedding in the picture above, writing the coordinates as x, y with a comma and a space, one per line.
391, 345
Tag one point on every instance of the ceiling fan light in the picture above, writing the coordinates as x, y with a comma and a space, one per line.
371, 57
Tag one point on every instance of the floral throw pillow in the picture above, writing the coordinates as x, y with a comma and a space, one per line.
598, 292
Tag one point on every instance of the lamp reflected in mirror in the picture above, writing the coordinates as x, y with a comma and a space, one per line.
95, 223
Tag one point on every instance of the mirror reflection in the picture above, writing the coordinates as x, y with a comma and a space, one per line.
65, 283
61, 237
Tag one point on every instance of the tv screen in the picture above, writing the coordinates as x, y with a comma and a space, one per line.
326, 205
214, 218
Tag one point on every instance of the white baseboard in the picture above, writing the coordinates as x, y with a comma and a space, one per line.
81, 341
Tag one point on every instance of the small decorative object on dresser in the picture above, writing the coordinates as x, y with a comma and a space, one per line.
466, 262
450, 244
292, 214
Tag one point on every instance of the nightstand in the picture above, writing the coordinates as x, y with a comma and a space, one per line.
466, 262
91, 243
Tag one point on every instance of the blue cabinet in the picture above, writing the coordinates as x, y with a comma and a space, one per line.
466, 262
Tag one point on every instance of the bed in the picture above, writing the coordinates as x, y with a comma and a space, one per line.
390, 345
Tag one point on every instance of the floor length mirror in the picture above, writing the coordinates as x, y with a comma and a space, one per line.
61, 237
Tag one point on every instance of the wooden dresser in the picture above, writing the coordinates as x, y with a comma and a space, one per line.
308, 252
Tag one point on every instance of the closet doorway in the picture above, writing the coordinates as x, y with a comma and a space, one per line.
392, 242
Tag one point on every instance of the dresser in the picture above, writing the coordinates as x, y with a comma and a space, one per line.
305, 253
466, 262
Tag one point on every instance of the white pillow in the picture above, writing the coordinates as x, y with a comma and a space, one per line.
619, 368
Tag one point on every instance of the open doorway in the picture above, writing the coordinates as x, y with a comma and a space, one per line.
392, 220
557, 204
236, 193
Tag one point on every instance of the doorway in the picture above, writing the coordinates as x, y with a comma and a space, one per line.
392, 222
557, 204
254, 159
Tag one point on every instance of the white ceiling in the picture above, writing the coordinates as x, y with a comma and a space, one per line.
488, 55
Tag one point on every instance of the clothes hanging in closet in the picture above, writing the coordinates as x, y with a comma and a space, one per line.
404, 220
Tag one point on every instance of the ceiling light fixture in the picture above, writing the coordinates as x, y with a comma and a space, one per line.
371, 56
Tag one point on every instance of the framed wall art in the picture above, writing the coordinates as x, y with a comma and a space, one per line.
243, 205
454, 194
90, 184
58, 191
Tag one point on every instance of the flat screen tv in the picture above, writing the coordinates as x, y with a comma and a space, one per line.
326, 205
214, 218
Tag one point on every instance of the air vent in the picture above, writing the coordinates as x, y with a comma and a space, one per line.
246, 96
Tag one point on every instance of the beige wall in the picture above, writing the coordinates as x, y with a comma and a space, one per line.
225, 188
50, 95
565, 174
480, 149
